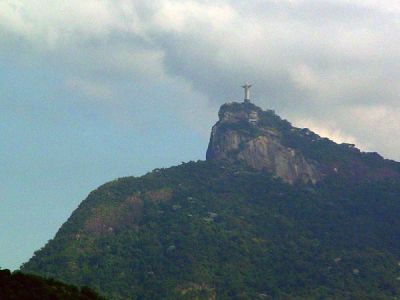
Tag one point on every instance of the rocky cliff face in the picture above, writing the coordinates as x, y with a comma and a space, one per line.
263, 141
245, 133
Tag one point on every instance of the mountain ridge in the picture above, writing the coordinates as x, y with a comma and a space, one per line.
262, 140
222, 229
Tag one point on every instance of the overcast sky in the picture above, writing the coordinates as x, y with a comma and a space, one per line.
94, 90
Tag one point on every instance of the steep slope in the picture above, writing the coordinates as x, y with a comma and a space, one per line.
262, 140
19, 286
203, 228
226, 228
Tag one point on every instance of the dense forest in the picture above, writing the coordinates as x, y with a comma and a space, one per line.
220, 229
205, 230
19, 286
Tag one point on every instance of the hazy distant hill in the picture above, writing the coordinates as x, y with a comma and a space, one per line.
275, 212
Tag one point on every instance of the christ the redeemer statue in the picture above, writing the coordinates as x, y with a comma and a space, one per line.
246, 92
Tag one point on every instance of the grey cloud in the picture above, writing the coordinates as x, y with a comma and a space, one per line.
321, 61
352, 61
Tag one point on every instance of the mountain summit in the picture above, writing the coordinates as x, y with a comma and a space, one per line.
263, 141
275, 212
245, 133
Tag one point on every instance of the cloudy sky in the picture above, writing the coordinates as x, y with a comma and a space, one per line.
98, 89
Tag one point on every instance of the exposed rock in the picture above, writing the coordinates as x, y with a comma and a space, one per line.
356, 271
242, 134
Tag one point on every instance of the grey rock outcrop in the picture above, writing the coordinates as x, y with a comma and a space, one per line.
246, 134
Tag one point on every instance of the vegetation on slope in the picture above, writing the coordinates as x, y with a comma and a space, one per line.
206, 230
19, 286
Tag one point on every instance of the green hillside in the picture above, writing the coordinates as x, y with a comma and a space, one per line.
209, 230
19, 286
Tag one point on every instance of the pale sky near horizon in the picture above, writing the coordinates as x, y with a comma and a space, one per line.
99, 89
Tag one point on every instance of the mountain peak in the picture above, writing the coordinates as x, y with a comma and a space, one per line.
261, 140
247, 134
165, 235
